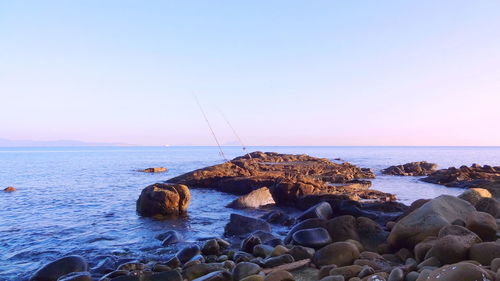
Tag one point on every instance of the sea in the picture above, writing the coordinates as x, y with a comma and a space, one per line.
82, 200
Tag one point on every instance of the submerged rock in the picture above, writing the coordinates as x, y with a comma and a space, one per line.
421, 168
163, 200
155, 170
60, 267
9, 189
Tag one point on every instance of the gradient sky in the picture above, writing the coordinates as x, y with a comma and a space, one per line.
283, 72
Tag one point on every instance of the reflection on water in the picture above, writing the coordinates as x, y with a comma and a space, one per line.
82, 200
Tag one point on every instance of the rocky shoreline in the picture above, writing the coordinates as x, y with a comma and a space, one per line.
346, 230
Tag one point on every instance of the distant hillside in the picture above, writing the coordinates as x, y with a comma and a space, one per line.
14, 143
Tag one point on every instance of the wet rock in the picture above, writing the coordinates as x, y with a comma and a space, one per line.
130, 266
174, 262
278, 217
432, 261
460, 272
188, 253
255, 199
279, 260
301, 253
365, 271
484, 252
60, 267
172, 275
423, 247
170, 237
313, 237
158, 267
428, 220
279, 275
241, 256
421, 168
200, 270
76, 276
241, 225
338, 253
155, 170
473, 195
211, 247
370, 234
127, 278
347, 271
412, 276
342, 228
105, 265
255, 277
221, 275
449, 249
325, 270
262, 250
322, 210
279, 250
248, 244
9, 189
244, 269
306, 224
333, 278
483, 224
162, 199
114, 274
396, 274
490, 206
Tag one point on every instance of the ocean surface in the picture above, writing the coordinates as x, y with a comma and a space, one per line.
81, 200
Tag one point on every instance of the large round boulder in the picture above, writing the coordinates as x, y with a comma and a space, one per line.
312, 237
338, 253
490, 206
483, 224
60, 267
473, 195
428, 220
161, 199
484, 252
460, 272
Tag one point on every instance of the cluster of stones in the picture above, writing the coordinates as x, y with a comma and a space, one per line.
443, 239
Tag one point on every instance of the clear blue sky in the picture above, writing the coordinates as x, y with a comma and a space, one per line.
283, 72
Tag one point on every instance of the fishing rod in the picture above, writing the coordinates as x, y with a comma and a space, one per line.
234, 132
221, 152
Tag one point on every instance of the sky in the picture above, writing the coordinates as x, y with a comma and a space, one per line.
281, 72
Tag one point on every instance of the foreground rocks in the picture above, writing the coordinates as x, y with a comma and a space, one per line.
163, 200
288, 178
61, 267
421, 168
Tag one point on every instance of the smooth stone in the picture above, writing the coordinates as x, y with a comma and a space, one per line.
396, 274
262, 250
157, 267
279, 250
249, 243
76, 276
313, 237
277, 261
347, 271
411, 276
484, 252
279, 275
240, 225
188, 252
255, 277
309, 223
339, 253
172, 275
424, 275
449, 249
172, 237
221, 275
254, 199
495, 264
325, 270
130, 266
201, 269
244, 269
301, 253
333, 278
366, 271
60, 267
321, 210
483, 224
211, 247
460, 272
432, 261
174, 262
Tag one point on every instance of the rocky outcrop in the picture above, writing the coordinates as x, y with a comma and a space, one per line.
465, 177
421, 168
255, 199
154, 170
163, 200
288, 177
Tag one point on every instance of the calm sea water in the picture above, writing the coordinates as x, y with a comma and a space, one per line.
81, 200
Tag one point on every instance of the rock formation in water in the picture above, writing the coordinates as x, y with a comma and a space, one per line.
162, 199
487, 177
9, 189
288, 177
154, 170
421, 168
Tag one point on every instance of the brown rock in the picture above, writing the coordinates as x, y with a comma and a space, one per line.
490, 206
279, 275
338, 253
163, 199
155, 170
422, 168
347, 271
473, 195
460, 272
10, 189
483, 224
484, 252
